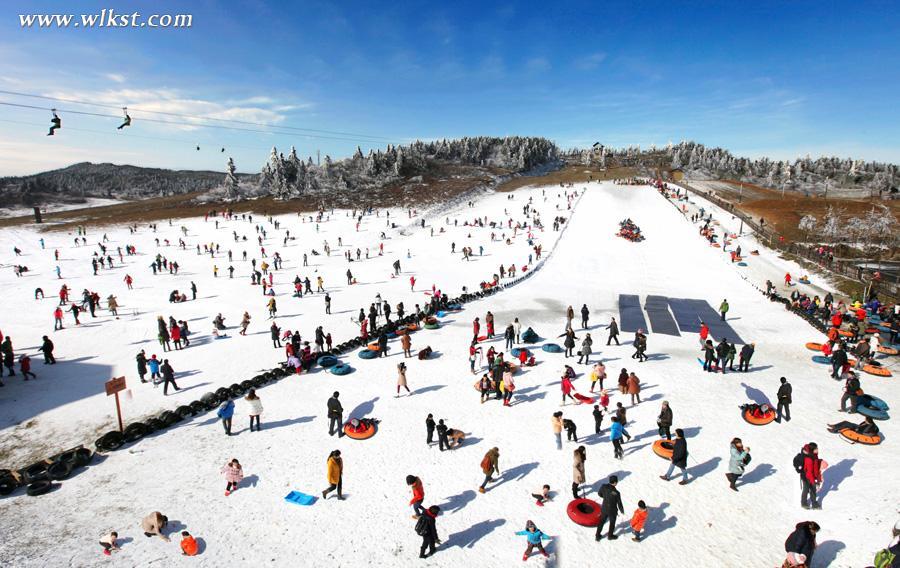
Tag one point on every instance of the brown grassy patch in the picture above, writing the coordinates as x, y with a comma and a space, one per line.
572, 173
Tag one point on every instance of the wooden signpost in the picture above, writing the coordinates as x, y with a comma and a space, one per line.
113, 387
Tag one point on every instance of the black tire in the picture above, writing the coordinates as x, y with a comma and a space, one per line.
70, 457
135, 431
83, 457
154, 424
35, 472
210, 400
259, 382
223, 394
184, 411
198, 406
168, 418
59, 470
112, 440
39, 487
247, 385
8, 484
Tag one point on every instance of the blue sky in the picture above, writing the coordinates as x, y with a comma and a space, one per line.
781, 79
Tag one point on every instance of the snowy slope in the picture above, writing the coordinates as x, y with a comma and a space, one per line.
177, 471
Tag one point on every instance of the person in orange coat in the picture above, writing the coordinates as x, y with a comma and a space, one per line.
637, 520
189, 546
418, 495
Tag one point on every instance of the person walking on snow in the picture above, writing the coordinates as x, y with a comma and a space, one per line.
585, 353
565, 385
334, 475
418, 495
634, 388
490, 464
738, 459
579, 456
801, 545
723, 308
610, 504
426, 527
233, 473
534, 536
47, 349
613, 328
255, 410
598, 374
225, 413
808, 464
616, 432
335, 415
401, 379
569, 342
784, 401
637, 521
679, 458
168, 375
570, 315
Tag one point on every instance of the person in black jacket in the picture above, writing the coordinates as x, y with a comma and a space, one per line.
784, 401
709, 356
664, 421
382, 345
679, 458
584, 316
611, 502
509, 334
851, 388
838, 360
168, 375
598, 419
429, 428
746, 354
443, 442
276, 335
613, 328
801, 544
49, 359
335, 415
428, 531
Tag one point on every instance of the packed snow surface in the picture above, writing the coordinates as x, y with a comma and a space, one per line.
177, 471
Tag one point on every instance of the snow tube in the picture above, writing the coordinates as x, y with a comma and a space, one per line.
754, 252
364, 434
185, 411
663, 448
845, 333
59, 470
412, 327
341, 369
551, 348
482, 337
821, 359
432, 325
440, 313
373, 347
515, 351
812, 346
530, 336
887, 350
853, 436
753, 414
168, 418
742, 264
368, 354
39, 487
877, 371
802, 281
327, 361
83, 457
136, 431
35, 472
454, 307
583, 399
584, 512
8, 484
872, 406
111, 441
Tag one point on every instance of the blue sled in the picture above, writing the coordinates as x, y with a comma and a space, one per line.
298, 498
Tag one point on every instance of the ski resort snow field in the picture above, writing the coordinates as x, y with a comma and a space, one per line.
177, 471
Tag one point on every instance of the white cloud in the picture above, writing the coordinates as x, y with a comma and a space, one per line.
115, 77
591, 61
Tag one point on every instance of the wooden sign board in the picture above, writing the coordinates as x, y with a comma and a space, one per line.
115, 385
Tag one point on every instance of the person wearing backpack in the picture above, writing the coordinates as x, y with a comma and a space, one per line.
740, 457
426, 527
890, 557
534, 536
800, 545
808, 464
490, 463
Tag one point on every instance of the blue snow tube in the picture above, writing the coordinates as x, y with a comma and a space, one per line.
873, 407
327, 361
368, 354
454, 307
515, 351
742, 264
822, 359
341, 369
441, 313
530, 336
551, 348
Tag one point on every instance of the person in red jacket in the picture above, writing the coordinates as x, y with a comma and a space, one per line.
476, 328
175, 332
704, 333
810, 470
567, 388
837, 319
418, 495
57, 318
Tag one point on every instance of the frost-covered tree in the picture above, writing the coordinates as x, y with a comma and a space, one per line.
232, 187
808, 224
832, 227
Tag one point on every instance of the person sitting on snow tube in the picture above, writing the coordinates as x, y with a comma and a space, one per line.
867, 427
758, 410
357, 426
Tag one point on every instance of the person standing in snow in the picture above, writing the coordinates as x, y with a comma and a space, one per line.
47, 349
616, 432
509, 335
569, 342
490, 464
565, 385
579, 456
679, 458
746, 354
418, 495
598, 419
785, 399
534, 536
633, 385
585, 314
517, 327
225, 413
723, 308
233, 473
808, 464
335, 475
406, 344
335, 415
426, 527
801, 545
611, 502
255, 410
585, 353
664, 421
443, 441
739, 456
429, 429
613, 328
168, 375
598, 374
570, 315
637, 521
401, 379
476, 328
275, 334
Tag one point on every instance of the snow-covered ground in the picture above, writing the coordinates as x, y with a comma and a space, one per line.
22, 211
177, 471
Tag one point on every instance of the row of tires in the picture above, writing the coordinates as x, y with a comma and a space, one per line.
39, 477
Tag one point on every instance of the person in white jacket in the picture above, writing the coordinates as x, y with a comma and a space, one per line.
256, 409
517, 326
509, 386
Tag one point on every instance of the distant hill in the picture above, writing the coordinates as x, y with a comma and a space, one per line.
111, 181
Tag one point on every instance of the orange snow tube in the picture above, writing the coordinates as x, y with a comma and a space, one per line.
663, 448
584, 512
845, 333
887, 350
373, 347
754, 252
717, 245
814, 346
865, 439
877, 371
754, 415
365, 431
